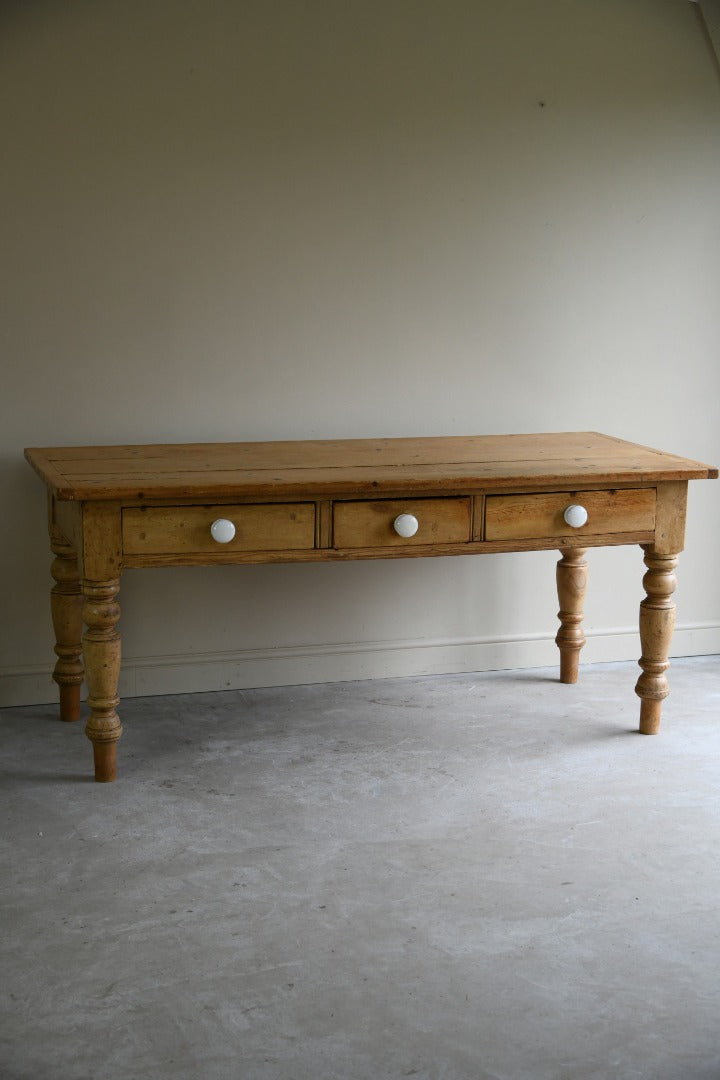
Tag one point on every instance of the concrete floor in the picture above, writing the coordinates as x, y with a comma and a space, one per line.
450, 878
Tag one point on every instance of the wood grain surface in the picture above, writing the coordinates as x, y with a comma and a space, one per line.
325, 468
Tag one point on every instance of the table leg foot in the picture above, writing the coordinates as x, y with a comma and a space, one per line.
657, 621
105, 759
650, 717
66, 607
70, 702
572, 579
101, 649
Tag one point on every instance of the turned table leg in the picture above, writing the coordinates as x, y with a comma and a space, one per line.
66, 607
101, 649
572, 579
657, 621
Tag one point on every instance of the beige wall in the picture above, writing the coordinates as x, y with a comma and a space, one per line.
236, 220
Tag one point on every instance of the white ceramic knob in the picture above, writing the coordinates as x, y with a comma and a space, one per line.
222, 531
406, 525
575, 515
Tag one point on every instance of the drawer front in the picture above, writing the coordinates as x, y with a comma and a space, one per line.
371, 523
526, 517
178, 530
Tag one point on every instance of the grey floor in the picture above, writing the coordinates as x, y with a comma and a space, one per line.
448, 878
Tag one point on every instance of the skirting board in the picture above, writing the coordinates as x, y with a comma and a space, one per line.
288, 666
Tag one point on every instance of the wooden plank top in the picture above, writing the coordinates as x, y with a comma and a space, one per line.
328, 468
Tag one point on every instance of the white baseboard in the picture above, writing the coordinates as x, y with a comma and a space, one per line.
287, 666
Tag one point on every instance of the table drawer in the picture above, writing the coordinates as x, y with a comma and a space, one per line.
371, 523
536, 516
173, 530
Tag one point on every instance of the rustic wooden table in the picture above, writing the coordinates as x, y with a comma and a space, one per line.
116, 507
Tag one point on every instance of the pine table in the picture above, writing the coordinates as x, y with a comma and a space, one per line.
112, 508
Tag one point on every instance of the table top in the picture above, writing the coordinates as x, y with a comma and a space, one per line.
330, 467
